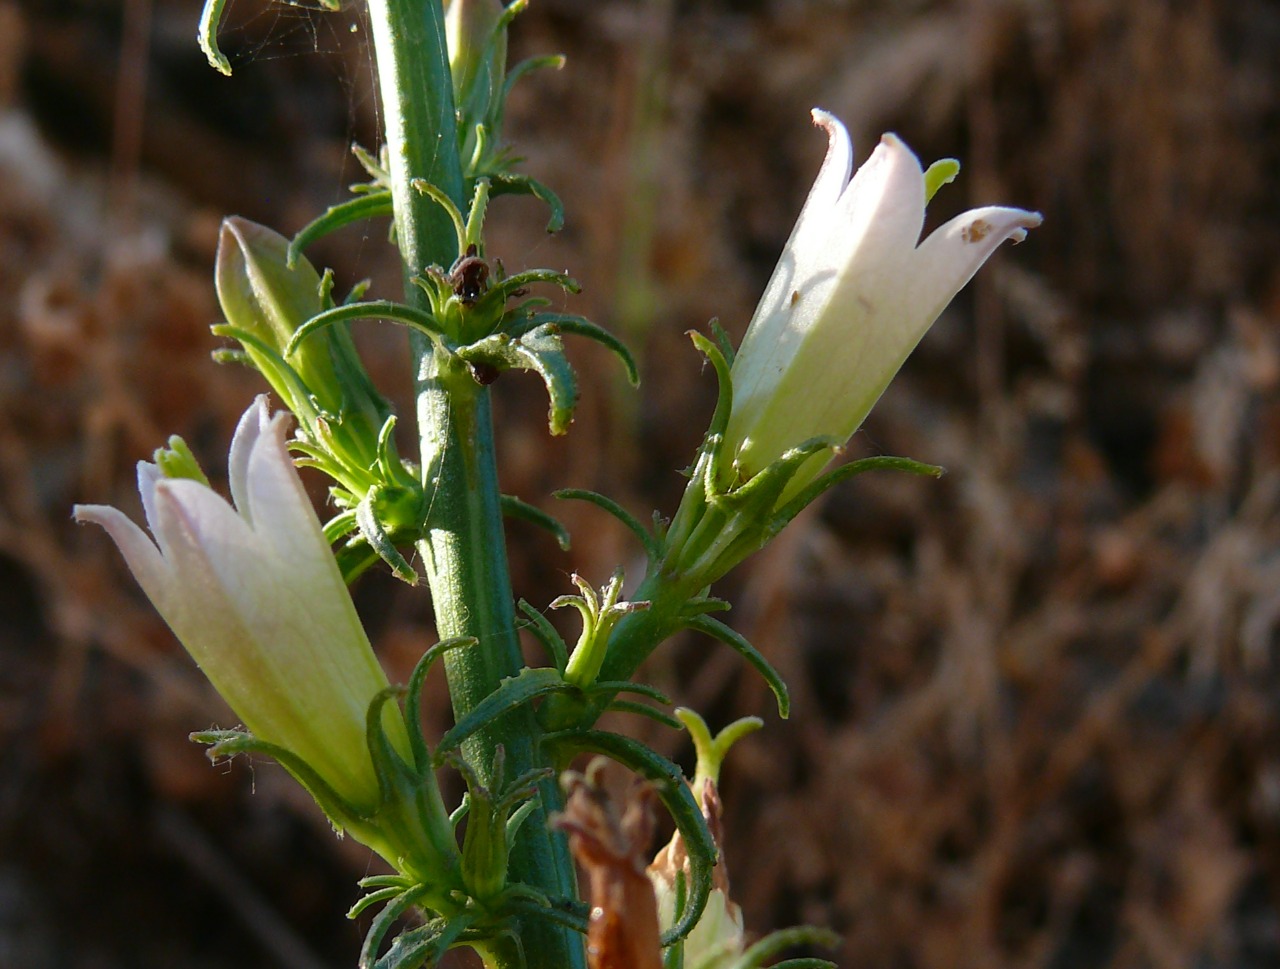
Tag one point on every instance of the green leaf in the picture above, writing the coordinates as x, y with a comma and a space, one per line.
675, 795
581, 326
651, 547
626, 686
546, 634
525, 687
369, 206
736, 641
507, 183
538, 350
379, 309
207, 35
640, 709
513, 507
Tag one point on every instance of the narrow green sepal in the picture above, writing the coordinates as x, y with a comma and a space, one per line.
652, 548
373, 532
508, 183
375, 897
674, 794
279, 373
517, 820
704, 604
581, 326
724, 383
513, 507
547, 635
737, 642
226, 744
722, 341
379, 309
552, 62
816, 488
525, 687
413, 696
368, 206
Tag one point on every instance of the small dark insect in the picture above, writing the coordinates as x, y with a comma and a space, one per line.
469, 276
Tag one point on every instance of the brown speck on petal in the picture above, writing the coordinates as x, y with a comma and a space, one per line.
623, 929
976, 231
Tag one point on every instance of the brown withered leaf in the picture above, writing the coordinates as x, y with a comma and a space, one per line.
611, 845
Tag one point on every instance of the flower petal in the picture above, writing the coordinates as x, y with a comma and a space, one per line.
253, 422
140, 553
955, 251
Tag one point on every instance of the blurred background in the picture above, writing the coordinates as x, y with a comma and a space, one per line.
1036, 720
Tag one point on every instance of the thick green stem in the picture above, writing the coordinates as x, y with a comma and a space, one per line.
464, 548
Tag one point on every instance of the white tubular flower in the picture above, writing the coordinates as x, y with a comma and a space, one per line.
852, 295
256, 597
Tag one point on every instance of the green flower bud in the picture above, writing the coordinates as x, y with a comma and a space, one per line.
322, 380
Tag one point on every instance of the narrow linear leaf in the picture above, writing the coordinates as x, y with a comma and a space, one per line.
506, 183
524, 687
775, 942
581, 326
207, 36
640, 709
647, 540
369, 206
380, 309
626, 686
737, 642
513, 507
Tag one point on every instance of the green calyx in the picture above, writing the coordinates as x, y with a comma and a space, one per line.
722, 518
600, 613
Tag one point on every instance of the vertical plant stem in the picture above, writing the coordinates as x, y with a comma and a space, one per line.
465, 547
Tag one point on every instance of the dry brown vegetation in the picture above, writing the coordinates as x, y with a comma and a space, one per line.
1036, 711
